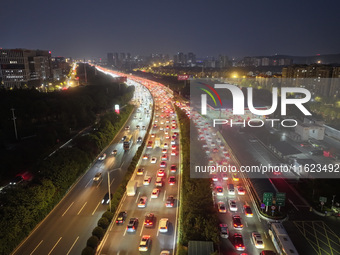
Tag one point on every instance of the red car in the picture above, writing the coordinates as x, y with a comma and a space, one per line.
173, 168
172, 180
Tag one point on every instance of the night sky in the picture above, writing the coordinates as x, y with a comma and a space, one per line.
208, 28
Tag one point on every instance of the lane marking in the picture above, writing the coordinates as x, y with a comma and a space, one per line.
137, 197
95, 208
125, 232
81, 208
72, 246
67, 209
112, 181
36, 247
99, 183
164, 195
88, 183
140, 234
54, 246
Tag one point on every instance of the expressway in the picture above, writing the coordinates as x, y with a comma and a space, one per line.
217, 151
162, 146
66, 229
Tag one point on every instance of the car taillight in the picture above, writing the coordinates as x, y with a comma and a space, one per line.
241, 226
235, 225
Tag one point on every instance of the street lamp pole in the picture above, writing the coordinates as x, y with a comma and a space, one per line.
108, 184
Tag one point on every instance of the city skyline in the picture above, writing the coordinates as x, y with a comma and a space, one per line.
84, 30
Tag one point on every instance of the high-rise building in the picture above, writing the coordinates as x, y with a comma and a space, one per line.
110, 61
19, 67
191, 59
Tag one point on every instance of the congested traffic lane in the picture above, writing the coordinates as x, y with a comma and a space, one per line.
66, 229
229, 188
159, 139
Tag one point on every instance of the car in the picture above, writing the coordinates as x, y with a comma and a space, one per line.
146, 156
215, 150
173, 147
162, 164
147, 180
237, 223
165, 145
155, 193
214, 178
149, 220
140, 171
219, 191
161, 128
159, 181
16, 180
257, 240
97, 177
221, 207
114, 152
132, 225
106, 198
247, 211
173, 168
142, 202
143, 128
161, 172
170, 201
232, 205
152, 135
139, 139
144, 243
153, 160
305, 144
164, 151
121, 217
174, 137
149, 146
173, 142
127, 128
175, 133
166, 132
238, 242
173, 153
224, 177
172, 180
165, 157
235, 177
240, 190
137, 127
165, 252
224, 231
155, 126
231, 189
163, 225
167, 137
102, 157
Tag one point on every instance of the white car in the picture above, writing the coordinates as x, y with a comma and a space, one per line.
147, 180
232, 205
102, 157
142, 202
257, 240
153, 160
155, 193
